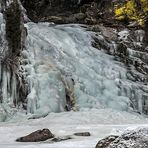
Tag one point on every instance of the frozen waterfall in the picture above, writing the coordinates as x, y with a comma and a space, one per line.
65, 52
60, 58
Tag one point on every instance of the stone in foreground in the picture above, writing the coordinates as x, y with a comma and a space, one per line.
137, 138
132, 139
104, 143
37, 136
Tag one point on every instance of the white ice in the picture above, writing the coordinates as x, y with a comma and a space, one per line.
66, 51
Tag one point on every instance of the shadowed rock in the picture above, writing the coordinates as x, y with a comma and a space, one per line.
82, 134
39, 135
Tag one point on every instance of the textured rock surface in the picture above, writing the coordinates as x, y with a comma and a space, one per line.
71, 11
104, 143
12, 43
131, 139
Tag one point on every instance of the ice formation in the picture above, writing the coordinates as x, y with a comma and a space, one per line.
66, 51
56, 55
9, 76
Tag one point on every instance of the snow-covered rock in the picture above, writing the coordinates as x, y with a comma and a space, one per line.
137, 138
104, 143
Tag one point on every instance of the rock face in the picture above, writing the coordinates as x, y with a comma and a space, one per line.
12, 40
13, 29
43, 8
40, 135
132, 139
67, 11
129, 47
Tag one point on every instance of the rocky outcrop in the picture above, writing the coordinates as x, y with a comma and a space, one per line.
39, 135
42, 8
13, 28
137, 138
11, 75
71, 11
128, 46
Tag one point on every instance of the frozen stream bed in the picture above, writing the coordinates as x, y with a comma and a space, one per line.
99, 123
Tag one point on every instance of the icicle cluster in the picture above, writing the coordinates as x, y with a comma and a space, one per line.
11, 82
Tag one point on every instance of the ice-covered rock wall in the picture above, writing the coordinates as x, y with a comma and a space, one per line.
12, 39
7, 80
60, 70
65, 52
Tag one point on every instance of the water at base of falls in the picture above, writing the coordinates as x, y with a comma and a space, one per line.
56, 55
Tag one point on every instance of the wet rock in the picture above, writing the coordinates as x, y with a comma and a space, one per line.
104, 143
82, 134
39, 135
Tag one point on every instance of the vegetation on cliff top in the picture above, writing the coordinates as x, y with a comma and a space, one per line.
134, 10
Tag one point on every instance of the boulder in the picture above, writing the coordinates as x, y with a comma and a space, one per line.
137, 138
37, 136
104, 143
132, 139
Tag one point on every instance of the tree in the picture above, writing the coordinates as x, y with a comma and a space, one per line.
134, 10
13, 29
146, 30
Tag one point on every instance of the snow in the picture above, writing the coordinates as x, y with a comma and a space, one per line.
137, 138
100, 123
123, 35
